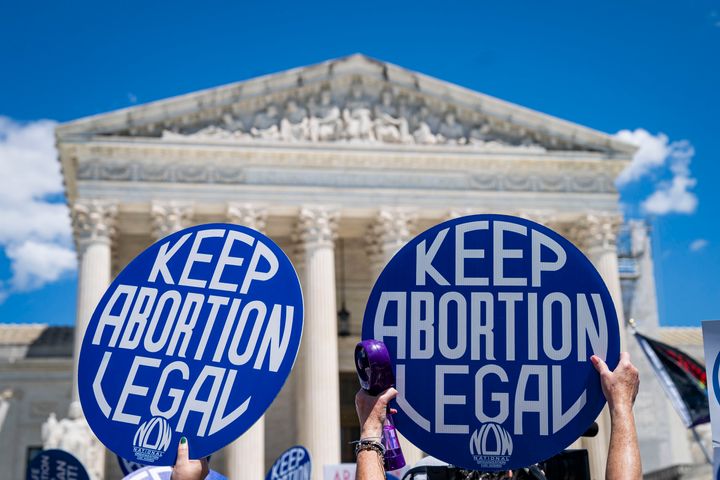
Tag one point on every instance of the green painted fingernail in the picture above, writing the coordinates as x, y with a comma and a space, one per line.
183, 440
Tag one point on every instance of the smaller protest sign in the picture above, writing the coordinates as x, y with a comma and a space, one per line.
56, 465
164, 473
194, 338
340, 471
292, 464
711, 343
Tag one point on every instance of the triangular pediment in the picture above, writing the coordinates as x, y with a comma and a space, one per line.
352, 100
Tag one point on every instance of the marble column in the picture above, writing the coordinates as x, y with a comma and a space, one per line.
389, 231
318, 385
94, 225
596, 236
170, 217
246, 455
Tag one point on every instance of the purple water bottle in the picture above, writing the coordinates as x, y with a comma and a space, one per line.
374, 369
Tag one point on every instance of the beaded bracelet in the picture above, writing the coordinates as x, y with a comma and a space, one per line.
367, 444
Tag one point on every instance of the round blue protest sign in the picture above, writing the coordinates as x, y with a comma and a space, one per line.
56, 465
491, 321
164, 473
194, 338
293, 464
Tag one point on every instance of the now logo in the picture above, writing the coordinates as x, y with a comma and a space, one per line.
491, 439
153, 434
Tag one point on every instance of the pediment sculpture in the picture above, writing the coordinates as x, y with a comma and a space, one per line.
354, 117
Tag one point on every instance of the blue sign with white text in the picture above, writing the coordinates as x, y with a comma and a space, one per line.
491, 321
194, 338
56, 465
164, 473
293, 464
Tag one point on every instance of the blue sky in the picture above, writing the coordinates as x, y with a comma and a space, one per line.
650, 65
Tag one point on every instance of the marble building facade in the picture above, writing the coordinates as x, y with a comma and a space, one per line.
353, 152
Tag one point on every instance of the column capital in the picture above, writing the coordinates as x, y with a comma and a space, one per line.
169, 217
595, 231
247, 214
317, 227
389, 231
93, 221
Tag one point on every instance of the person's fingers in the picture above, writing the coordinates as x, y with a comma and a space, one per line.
624, 357
205, 467
182, 456
599, 364
393, 411
388, 394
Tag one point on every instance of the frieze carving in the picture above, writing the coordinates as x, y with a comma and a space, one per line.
520, 179
357, 116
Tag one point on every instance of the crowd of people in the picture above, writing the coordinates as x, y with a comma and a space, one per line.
620, 387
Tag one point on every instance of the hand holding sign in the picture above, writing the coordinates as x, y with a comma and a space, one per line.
490, 321
194, 338
186, 469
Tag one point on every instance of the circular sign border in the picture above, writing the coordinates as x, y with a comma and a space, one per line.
613, 326
171, 452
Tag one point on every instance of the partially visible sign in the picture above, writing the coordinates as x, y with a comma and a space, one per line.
293, 464
194, 338
711, 343
164, 473
340, 471
491, 321
56, 465
716, 463
127, 466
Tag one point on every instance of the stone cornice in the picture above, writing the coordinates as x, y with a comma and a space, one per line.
486, 176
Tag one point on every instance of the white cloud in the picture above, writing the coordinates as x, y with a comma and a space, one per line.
35, 233
656, 154
672, 197
698, 244
652, 152
36, 263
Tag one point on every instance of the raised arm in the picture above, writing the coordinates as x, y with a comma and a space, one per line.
620, 388
372, 412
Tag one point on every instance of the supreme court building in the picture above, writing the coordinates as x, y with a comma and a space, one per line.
339, 163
